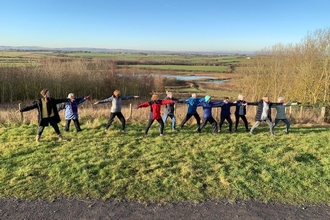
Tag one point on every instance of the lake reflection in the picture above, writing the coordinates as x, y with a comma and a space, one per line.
202, 79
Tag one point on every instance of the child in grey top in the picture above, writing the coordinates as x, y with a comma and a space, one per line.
116, 100
280, 113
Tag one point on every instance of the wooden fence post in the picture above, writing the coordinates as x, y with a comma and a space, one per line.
323, 113
301, 111
20, 107
130, 110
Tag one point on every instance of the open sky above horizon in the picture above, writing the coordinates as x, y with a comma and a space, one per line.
172, 25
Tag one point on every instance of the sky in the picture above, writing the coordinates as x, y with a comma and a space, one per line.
171, 25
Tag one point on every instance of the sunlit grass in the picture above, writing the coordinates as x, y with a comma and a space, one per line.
181, 166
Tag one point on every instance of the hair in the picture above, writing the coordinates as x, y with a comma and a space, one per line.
116, 93
240, 96
43, 92
154, 97
280, 99
71, 95
226, 97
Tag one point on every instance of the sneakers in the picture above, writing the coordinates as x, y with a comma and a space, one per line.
60, 138
38, 138
161, 135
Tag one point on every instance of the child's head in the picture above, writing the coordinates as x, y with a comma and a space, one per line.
169, 94
154, 97
265, 98
116, 93
194, 95
240, 97
45, 93
280, 99
226, 99
70, 96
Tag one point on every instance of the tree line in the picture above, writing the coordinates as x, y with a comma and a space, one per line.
80, 76
298, 72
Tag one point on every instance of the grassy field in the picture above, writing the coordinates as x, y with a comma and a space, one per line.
180, 166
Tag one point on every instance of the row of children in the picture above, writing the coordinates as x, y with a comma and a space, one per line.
48, 111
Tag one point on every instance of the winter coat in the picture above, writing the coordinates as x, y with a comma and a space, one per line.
155, 107
207, 108
116, 102
192, 104
240, 108
71, 108
51, 106
225, 108
260, 109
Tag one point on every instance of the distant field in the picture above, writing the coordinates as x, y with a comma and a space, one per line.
18, 57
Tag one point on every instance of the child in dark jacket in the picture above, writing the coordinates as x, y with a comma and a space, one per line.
169, 110
155, 106
225, 113
207, 114
71, 111
240, 112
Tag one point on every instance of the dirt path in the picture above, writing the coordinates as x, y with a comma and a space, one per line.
97, 209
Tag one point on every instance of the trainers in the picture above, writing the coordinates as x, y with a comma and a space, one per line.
251, 133
60, 138
38, 138
161, 135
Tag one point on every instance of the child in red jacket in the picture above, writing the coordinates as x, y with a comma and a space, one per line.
155, 106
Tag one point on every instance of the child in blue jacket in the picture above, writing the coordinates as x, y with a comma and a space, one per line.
192, 102
207, 115
71, 111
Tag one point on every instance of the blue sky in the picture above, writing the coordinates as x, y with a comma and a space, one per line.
173, 25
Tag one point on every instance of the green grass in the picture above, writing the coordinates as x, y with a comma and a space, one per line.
181, 166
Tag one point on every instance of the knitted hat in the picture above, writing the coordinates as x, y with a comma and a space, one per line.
43, 92
207, 98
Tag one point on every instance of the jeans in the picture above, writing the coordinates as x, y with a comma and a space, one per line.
172, 118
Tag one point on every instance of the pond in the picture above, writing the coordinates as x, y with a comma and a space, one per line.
201, 79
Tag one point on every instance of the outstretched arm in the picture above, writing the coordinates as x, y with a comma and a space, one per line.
104, 100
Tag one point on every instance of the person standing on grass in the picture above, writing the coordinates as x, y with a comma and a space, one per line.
47, 113
192, 102
280, 113
71, 111
225, 113
240, 112
169, 110
116, 100
207, 114
263, 114
155, 106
